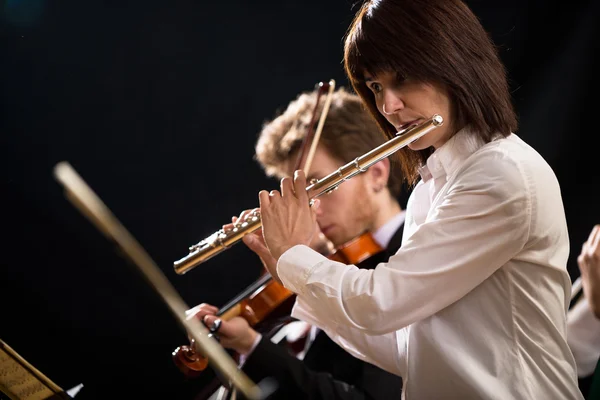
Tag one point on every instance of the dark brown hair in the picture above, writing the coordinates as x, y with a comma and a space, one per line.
438, 42
349, 131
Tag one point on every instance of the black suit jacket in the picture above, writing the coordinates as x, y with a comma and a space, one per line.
327, 371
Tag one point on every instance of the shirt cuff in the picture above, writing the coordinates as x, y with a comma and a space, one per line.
244, 357
295, 266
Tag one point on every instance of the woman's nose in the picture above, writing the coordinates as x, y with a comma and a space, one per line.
392, 103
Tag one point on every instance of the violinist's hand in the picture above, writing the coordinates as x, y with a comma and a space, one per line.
234, 334
589, 266
287, 218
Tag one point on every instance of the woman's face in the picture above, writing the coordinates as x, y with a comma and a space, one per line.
404, 103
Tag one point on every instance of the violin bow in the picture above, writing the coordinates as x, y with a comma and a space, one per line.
311, 140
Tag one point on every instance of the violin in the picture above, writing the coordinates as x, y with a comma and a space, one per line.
266, 301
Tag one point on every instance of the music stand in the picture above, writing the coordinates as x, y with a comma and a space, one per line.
19, 380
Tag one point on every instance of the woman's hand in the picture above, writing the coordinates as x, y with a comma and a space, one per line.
287, 217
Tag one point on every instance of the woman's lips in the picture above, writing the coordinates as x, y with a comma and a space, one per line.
408, 124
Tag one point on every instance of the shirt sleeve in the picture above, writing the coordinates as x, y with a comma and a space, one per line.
481, 223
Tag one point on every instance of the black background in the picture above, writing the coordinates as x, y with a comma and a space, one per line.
158, 105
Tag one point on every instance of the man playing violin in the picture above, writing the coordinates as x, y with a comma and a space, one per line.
367, 203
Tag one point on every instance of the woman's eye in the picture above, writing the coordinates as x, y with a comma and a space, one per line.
376, 87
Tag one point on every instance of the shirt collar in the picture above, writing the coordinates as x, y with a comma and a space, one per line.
384, 234
446, 159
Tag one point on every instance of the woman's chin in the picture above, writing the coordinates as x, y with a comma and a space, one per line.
419, 144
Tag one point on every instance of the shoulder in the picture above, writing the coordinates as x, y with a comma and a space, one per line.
512, 153
505, 167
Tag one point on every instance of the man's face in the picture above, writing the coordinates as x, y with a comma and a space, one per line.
346, 212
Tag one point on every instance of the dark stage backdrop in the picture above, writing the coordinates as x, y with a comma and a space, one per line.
158, 106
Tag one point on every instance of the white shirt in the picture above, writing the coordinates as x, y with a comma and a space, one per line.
473, 305
583, 336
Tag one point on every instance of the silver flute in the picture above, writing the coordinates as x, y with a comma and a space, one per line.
222, 239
